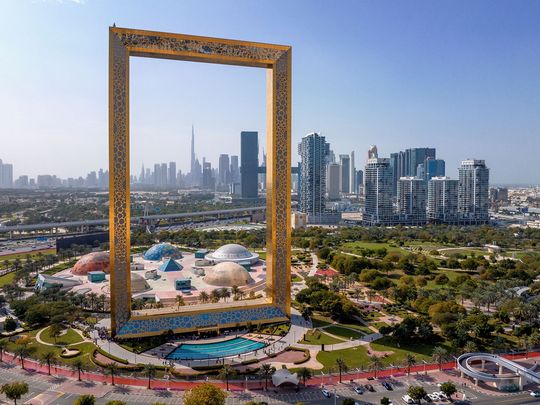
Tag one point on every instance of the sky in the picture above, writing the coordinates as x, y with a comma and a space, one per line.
462, 76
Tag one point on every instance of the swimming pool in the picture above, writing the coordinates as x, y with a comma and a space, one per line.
225, 348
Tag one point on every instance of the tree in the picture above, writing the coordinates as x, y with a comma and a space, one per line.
448, 388
416, 392
305, 374
385, 401
306, 311
203, 297
375, 364
85, 400
348, 401
55, 330
14, 391
48, 358
342, 367
150, 371
410, 361
225, 372
22, 352
180, 301
265, 372
205, 394
112, 369
118, 402
78, 366
439, 354
3, 345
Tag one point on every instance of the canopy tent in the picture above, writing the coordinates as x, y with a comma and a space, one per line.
283, 376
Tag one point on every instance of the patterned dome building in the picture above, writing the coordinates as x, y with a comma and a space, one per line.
227, 274
233, 253
161, 250
95, 261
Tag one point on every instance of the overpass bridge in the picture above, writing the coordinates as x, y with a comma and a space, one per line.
146, 219
517, 371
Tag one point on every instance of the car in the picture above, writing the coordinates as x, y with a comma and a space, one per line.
440, 395
535, 394
370, 388
433, 397
387, 385
358, 390
427, 398
326, 393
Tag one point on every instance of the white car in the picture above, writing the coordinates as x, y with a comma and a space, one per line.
433, 396
440, 395
535, 394
326, 393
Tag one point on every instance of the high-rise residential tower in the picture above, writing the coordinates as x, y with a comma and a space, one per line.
249, 163
352, 176
332, 181
224, 170
412, 200
442, 203
473, 191
313, 151
378, 192
345, 162
172, 174
235, 169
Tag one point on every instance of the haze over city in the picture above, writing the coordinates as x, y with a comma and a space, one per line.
461, 77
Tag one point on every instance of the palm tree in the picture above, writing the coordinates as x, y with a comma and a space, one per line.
92, 300
342, 367
48, 358
266, 372
22, 352
3, 345
225, 293
234, 291
180, 302
470, 347
439, 353
78, 366
215, 296
225, 372
305, 374
203, 297
376, 364
150, 371
410, 360
112, 369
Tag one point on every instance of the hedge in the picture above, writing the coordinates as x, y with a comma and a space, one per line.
307, 354
108, 355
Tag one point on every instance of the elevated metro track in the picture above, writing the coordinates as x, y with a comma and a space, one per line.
136, 220
525, 374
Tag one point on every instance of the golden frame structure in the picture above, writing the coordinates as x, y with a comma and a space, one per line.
276, 59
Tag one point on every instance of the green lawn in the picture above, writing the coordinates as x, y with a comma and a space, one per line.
60, 267
343, 332
295, 278
355, 247
357, 357
7, 279
68, 338
320, 320
379, 325
361, 328
319, 338
22, 256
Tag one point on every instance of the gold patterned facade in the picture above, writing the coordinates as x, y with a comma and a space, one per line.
124, 43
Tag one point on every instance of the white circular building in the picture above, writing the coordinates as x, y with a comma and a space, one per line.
233, 253
227, 274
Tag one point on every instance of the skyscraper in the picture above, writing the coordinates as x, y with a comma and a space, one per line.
193, 168
345, 163
313, 151
405, 164
473, 191
249, 163
442, 203
208, 182
172, 174
412, 199
224, 170
352, 176
378, 192
163, 179
433, 168
332, 181
235, 171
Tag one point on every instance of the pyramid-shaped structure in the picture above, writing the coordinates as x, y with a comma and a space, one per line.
170, 265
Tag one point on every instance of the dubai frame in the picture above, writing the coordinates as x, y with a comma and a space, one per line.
276, 59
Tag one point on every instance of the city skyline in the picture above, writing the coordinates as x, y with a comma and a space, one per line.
475, 97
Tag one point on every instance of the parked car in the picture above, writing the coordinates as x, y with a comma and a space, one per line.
433, 397
326, 393
387, 385
370, 388
427, 398
358, 390
535, 394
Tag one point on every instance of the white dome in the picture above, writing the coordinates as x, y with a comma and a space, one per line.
138, 283
227, 274
233, 253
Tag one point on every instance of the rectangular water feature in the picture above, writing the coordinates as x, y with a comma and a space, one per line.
225, 348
